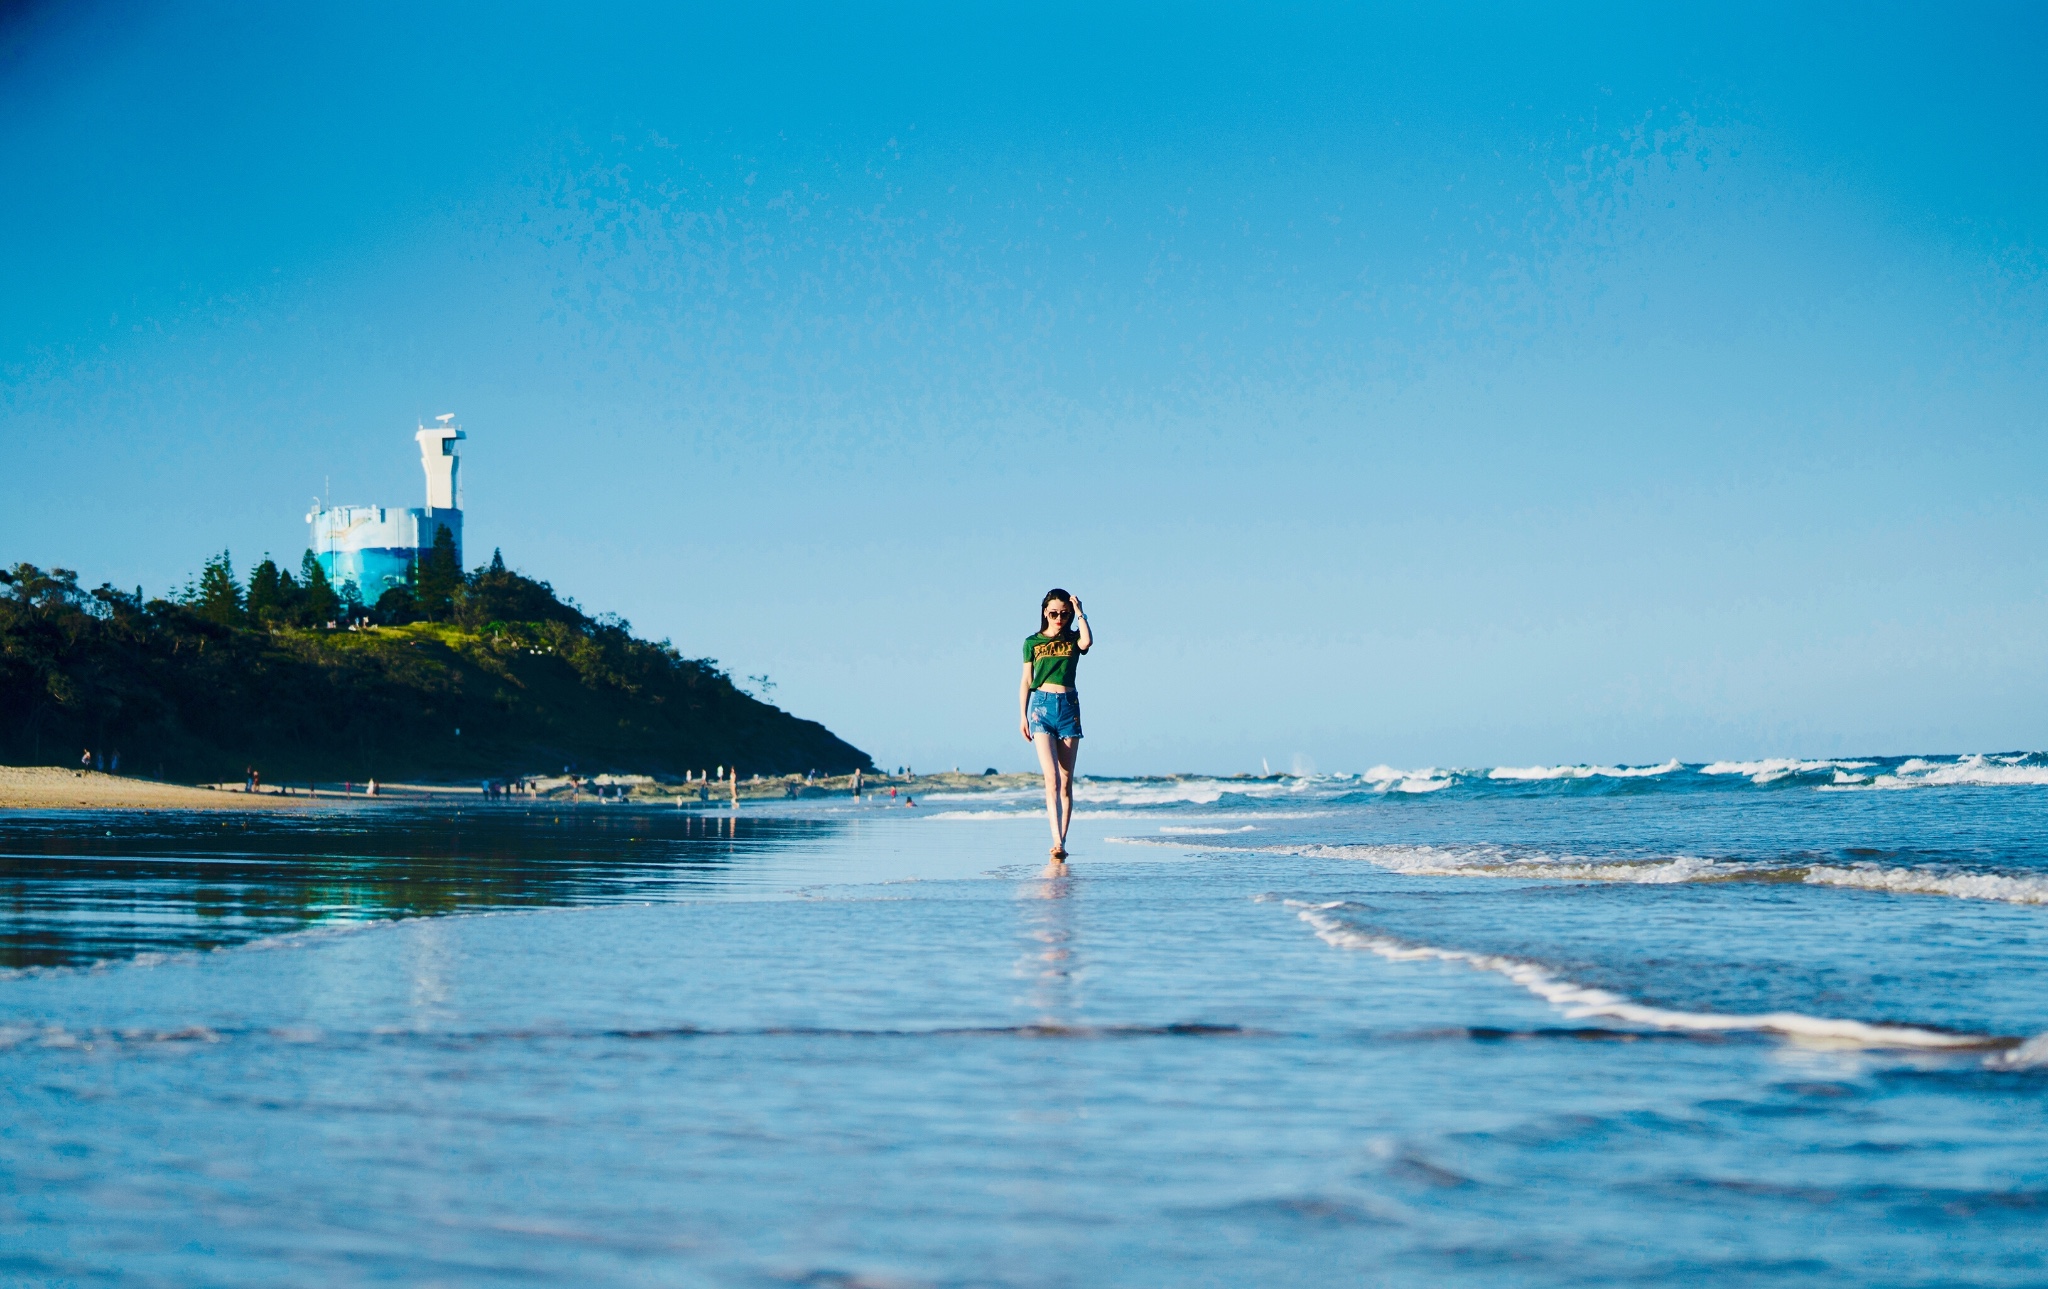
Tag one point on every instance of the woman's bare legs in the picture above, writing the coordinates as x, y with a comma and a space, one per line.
1056, 765
1056, 760
1069, 748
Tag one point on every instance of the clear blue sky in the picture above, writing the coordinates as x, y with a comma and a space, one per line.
1523, 384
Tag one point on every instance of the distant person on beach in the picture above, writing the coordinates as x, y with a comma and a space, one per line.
1049, 705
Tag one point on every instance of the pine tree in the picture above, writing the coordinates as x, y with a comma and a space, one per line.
437, 577
218, 597
318, 604
494, 593
266, 593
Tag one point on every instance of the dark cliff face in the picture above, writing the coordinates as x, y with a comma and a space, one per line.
197, 699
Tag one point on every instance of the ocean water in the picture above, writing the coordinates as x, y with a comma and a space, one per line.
1741, 1023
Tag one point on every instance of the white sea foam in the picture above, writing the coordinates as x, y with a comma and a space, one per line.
1972, 770
1385, 778
1200, 792
1774, 768
1920, 881
1207, 832
1388, 774
1578, 1001
1421, 785
1113, 793
1965, 771
1543, 772
1487, 861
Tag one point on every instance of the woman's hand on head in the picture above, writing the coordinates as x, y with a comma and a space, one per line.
1074, 603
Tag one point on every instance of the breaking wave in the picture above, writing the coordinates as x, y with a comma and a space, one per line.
1773, 769
1269, 793
1974, 770
1578, 1001
1919, 881
1385, 778
1495, 861
1537, 773
2022, 769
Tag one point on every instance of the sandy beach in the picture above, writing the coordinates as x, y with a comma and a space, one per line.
56, 788
45, 787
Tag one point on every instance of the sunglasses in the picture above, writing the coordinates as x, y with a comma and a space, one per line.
1057, 613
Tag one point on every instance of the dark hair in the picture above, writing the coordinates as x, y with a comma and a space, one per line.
1054, 594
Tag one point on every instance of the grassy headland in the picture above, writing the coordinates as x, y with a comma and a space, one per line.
512, 680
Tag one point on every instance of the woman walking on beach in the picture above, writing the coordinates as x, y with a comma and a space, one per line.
1049, 706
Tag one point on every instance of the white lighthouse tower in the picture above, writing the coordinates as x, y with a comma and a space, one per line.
444, 484
437, 456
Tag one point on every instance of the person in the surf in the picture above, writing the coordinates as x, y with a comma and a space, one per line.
1049, 705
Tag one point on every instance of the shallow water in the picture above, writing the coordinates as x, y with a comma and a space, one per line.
1575, 1029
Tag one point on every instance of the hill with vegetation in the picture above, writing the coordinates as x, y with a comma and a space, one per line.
488, 674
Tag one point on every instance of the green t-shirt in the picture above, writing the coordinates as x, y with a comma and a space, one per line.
1053, 659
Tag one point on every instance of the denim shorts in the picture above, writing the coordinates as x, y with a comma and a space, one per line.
1056, 714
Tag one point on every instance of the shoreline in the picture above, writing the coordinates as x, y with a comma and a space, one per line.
48, 787
58, 788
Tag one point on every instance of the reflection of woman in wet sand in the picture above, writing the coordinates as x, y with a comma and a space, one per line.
1049, 706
